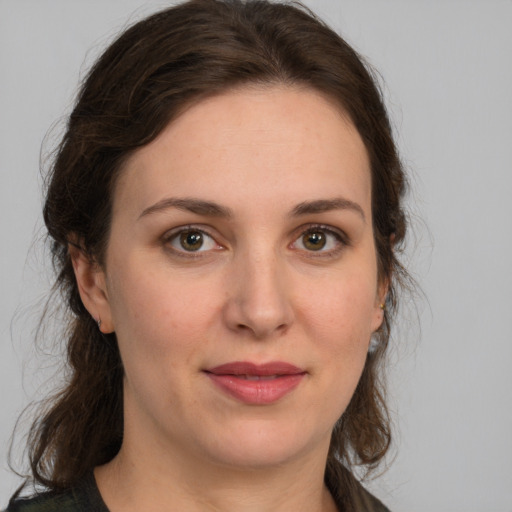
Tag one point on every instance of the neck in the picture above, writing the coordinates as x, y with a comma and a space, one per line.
131, 482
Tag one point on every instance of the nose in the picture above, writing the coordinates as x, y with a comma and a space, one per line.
258, 302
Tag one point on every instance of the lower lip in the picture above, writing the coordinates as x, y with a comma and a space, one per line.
257, 392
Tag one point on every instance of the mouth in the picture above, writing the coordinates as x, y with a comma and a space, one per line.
256, 384
258, 377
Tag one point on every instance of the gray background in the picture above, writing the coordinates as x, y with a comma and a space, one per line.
448, 82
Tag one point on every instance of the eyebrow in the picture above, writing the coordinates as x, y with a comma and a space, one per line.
197, 206
212, 209
325, 205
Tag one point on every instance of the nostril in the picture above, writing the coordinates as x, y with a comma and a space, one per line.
260, 308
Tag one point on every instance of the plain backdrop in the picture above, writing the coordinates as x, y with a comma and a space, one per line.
447, 69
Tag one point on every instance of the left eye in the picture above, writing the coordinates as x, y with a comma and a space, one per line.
192, 240
318, 240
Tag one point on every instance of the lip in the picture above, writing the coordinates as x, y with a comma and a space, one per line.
256, 384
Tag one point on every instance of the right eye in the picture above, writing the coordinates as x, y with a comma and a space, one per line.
191, 240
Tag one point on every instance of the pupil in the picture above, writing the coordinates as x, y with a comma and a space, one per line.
314, 241
191, 240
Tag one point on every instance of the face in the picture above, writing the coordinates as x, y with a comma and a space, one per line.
241, 278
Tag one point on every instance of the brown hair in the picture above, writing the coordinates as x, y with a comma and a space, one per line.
141, 83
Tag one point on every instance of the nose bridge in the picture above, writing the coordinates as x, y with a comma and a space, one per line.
260, 298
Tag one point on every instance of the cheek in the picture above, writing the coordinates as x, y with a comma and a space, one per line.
343, 308
340, 316
156, 316
340, 324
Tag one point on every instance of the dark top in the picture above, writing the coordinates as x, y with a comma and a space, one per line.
86, 498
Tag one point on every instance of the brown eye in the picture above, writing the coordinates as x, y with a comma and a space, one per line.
191, 240
322, 240
314, 240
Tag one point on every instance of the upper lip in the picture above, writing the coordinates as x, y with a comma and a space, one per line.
248, 368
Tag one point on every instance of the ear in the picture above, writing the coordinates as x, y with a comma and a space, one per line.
91, 282
383, 286
380, 304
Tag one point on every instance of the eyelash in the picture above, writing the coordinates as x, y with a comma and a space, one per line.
173, 235
341, 240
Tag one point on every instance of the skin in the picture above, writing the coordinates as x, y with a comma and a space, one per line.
254, 291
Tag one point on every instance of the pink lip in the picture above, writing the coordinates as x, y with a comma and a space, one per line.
256, 384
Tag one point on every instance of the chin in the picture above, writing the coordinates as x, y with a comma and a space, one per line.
264, 444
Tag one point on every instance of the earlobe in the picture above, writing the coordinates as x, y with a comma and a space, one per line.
90, 279
378, 318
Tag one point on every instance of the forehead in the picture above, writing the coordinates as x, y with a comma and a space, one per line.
251, 141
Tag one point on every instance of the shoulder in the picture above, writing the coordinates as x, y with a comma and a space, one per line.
83, 497
368, 502
349, 494
46, 502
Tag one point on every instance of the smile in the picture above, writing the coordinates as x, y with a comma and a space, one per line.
255, 384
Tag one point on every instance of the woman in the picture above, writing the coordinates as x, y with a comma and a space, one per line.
225, 210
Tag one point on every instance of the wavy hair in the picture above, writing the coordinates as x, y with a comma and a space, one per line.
143, 81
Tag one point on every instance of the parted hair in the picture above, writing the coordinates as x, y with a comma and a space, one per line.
143, 81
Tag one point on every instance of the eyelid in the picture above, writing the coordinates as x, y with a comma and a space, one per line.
173, 233
341, 237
